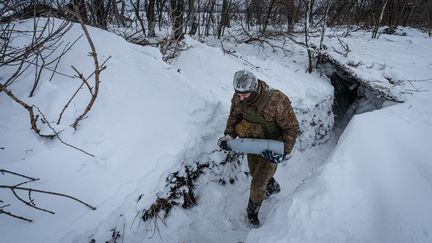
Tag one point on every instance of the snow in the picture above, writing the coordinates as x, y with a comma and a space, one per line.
152, 118
376, 185
382, 63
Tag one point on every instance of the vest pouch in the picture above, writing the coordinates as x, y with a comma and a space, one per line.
246, 129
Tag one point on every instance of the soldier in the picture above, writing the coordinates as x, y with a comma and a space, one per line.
258, 111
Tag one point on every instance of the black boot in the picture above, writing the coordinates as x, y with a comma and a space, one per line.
273, 187
252, 213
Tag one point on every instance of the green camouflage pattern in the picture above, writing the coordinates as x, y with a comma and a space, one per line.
278, 110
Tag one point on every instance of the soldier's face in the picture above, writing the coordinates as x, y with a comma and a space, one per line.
243, 96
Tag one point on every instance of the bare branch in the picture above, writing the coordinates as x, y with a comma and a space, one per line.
58, 136
15, 216
17, 174
84, 80
33, 118
30, 203
48, 192
97, 72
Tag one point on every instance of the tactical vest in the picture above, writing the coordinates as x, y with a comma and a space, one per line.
254, 124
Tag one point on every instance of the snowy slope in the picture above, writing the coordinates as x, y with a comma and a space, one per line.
145, 116
377, 184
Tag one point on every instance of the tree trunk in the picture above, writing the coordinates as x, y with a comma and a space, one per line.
136, 8
101, 15
151, 20
209, 18
193, 24
177, 12
160, 4
375, 31
291, 13
224, 19
307, 5
430, 25
311, 7
269, 11
80, 7
323, 29
414, 5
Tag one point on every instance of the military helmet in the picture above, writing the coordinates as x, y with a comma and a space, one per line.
245, 82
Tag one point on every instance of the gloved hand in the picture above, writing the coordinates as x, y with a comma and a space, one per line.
222, 142
272, 157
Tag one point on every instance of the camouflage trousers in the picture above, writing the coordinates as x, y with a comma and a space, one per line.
261, 171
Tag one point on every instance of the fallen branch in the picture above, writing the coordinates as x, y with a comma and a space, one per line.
33, 118
14, 173
58, 136
14, 216
47, 192
30, 201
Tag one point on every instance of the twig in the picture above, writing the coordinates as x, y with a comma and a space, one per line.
84, 81
17, 174
33, 118
124, 226
53, 70
344, 46
30, 203
65, 50
57, 135
15, 216
418, 80
48, 192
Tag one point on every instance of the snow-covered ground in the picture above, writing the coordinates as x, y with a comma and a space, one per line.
376, 186
152, 118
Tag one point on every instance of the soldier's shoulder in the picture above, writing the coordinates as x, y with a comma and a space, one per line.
278, 95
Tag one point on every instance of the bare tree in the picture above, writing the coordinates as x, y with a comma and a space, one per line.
224, 18
99, 13
323, 30
136, 8
309, 51
192, 19
81, 8
378, 23
177, 12
151, 19
269, 11
209, 17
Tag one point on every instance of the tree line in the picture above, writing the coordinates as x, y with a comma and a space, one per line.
212, 17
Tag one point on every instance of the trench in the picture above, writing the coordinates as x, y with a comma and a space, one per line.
351, 97
220, 206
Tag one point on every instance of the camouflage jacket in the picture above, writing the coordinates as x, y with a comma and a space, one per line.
277, 110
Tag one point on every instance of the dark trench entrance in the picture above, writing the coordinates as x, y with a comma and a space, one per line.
350, 98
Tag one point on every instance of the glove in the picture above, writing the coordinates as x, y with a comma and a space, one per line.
222, 142
272, 157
